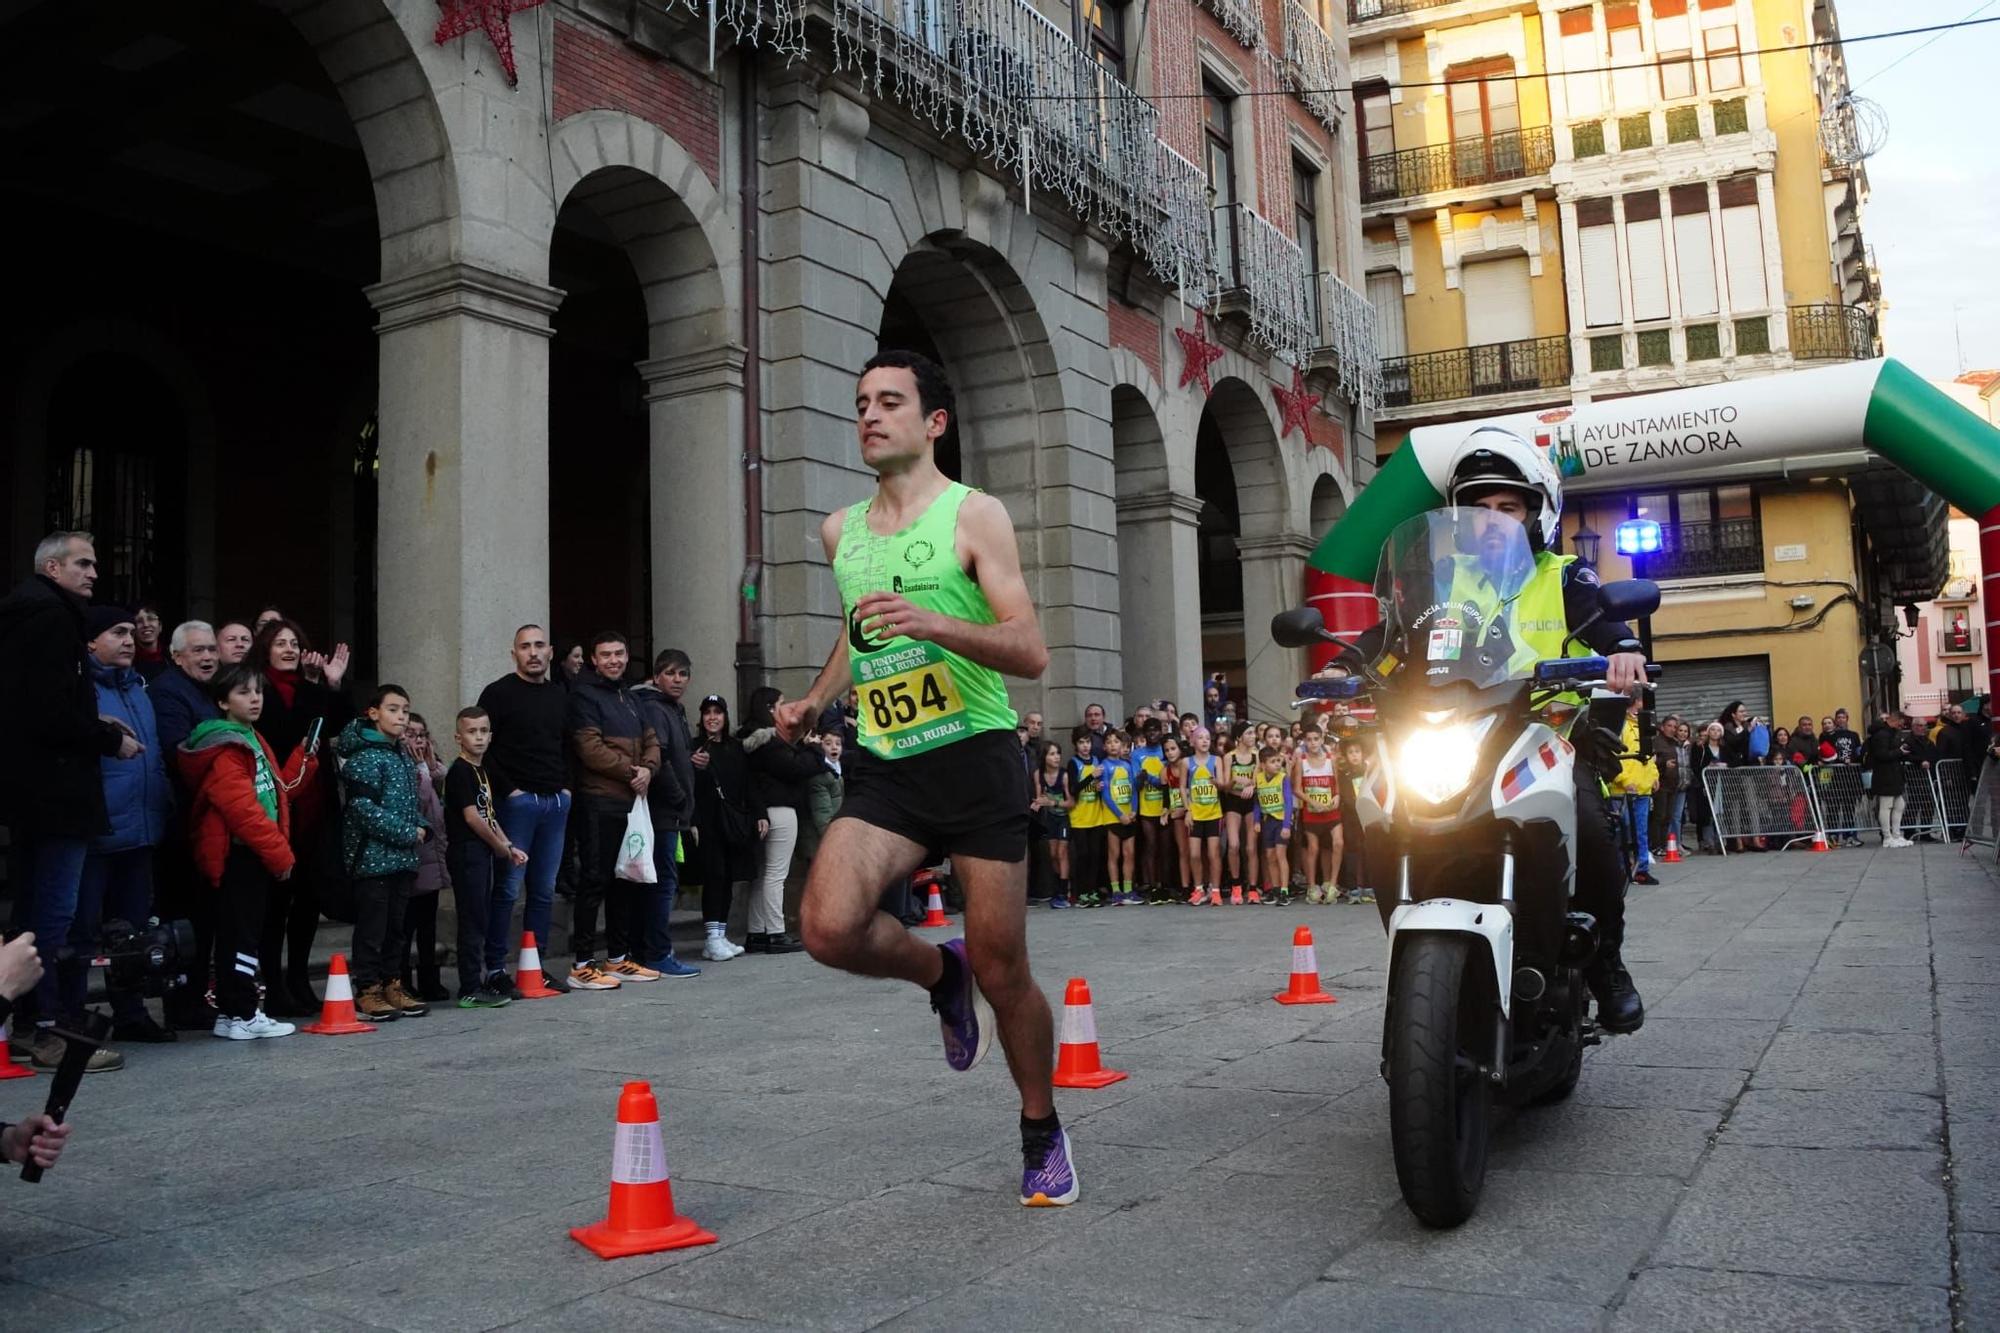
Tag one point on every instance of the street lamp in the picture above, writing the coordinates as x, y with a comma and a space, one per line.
1587, 541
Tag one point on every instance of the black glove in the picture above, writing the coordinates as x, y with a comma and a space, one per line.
1601, 749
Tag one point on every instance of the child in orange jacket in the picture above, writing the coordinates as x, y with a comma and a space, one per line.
241, 826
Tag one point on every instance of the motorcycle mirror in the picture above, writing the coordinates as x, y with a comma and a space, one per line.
1629, 599
1299, 627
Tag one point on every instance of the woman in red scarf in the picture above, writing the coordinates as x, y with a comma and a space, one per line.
302, 686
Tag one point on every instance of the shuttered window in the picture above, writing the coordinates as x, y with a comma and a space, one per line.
1743, 244
1631, 82
1672, 39
1694, 251
1719, 43
1579, 51
1646, 255
1597, 246
1699, 691
1498, 305
1385, 293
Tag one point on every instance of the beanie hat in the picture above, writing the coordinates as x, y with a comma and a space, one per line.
97, 619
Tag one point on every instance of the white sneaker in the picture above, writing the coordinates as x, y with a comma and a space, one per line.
735, 950
717, 949
263, 1025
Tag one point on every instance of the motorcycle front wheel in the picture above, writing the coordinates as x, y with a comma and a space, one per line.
1439, 1103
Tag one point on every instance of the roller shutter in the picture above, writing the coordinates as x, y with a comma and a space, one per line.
1697, 690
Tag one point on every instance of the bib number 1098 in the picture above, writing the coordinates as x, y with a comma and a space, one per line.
914, 698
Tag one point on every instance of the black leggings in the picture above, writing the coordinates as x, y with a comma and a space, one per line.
237, 922
292, 918
1600, 868
1153, 841
420, 931
1086, 859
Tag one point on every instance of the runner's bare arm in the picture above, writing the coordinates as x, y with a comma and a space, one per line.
832, 680
1011, 645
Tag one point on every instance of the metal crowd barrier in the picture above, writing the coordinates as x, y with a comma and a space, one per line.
1982, 816
1765, 802
1923, 808
1954, 793
1845, 809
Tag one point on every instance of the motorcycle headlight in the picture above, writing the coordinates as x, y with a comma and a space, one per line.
1434, 764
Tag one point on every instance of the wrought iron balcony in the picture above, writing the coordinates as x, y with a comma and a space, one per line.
1312, 63
1832, 332
1361, 11
1460, 163
1476, 372
1348, 341
1705, 550
1957, 640
1265, 270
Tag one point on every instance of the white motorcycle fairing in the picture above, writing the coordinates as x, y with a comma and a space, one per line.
1492, 922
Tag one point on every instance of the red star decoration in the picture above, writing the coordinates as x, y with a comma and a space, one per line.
462, 16
1297, 403
1197, 352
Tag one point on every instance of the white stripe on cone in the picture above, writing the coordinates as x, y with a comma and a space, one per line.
531, 959
1303, 959
338, 987
1079, 1025
638, 1155
936, 904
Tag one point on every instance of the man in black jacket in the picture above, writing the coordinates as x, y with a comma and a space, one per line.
670, 798
51, 741
530, 770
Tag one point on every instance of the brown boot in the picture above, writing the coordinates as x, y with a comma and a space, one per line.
374, 1006
405, 1004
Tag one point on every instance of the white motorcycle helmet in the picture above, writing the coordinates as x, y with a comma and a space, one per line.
1495, 456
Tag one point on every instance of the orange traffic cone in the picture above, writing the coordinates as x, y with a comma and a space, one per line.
1305, 972
1077, 1061
1819, 841
528, 971
641, 1219
336, 1016
8, 1069
1673, 852
934, 911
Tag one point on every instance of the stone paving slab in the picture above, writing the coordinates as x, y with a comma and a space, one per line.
1769, 1152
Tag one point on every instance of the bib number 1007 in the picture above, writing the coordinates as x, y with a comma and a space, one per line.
911, 699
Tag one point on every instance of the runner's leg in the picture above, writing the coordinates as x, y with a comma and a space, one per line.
841, 917
996, 943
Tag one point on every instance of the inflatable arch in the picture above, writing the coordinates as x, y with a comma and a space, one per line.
1882, 406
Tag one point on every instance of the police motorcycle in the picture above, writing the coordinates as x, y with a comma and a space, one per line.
1470, 797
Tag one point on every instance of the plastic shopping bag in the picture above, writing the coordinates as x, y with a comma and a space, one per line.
635, 852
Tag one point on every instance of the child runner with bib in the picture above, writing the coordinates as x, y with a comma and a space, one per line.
1318, 788
1239, 807
1275, 813
1120, 793
1201, 775
1172, 753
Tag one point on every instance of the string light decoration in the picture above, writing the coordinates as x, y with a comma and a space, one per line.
1312, 64
1243, 18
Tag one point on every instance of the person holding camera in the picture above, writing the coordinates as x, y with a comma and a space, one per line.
38, 1140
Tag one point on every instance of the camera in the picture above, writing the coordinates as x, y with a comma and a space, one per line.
150, 959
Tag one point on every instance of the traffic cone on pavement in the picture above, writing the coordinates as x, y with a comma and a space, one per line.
934, 911
528, 971
1819, 841
1673, 852
8, 1069
1078, 1064
1305, 973
641, 1219
336, 1016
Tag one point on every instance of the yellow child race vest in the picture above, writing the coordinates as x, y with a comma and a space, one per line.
1152, 799
916, 696
1118, 775
1204, 794
1088, 812
1271, 795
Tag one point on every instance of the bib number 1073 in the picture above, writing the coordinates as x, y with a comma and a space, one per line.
911, 699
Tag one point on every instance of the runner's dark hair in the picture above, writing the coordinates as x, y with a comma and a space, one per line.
933, 389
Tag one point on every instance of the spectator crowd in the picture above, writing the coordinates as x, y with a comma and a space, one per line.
232, 777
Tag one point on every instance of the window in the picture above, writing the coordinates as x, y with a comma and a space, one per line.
1704, 531
1704, 342
1635, 131
1625, 47
1719, 45
1958, 681
1587, 140
1656, 347
1305, 212
1694, 251
1385, 293
1683, 124
1485, 103
1106, 23
1579, 51
1220, 146
1743, 243
1607, 352
1753, 336
1675, 47
1597, 244
1376, 140
1646, 259
1732, 116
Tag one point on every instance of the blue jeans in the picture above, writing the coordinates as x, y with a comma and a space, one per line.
535, 824
1676, 810
116, 886
51, 879
659, 937
1639, 809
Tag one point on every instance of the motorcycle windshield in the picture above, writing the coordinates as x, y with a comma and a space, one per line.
1448, 585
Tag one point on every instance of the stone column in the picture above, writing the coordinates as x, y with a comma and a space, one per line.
695, 401
462, 552
1273, 580
1159, 602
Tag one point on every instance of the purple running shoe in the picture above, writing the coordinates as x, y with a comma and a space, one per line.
966, 1018
1048, 1177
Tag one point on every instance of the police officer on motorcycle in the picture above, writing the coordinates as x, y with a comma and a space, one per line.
1499, 470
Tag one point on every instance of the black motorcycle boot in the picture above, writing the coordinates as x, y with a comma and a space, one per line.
1619, 1008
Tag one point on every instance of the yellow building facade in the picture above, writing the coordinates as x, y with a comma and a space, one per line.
1567, 201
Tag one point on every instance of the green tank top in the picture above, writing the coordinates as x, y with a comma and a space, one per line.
916, 697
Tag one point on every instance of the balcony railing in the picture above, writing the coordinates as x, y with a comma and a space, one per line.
1243, 18
1312, 63
1476, 372
1348, 341
1705, 550
1460, 163
1957, 641
1360, 11
1266, 269
1830, 332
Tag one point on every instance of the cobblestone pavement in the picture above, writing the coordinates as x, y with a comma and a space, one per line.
1803, 1136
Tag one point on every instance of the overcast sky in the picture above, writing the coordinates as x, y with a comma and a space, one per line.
1935, 186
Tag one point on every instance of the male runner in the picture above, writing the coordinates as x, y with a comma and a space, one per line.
936, 610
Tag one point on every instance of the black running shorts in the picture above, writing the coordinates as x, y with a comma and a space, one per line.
969, 798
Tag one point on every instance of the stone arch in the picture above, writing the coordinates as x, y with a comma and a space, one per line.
1270, 547
1250, 434
1159, 624
1325, 504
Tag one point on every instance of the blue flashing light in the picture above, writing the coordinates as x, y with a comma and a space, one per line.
1637, 536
